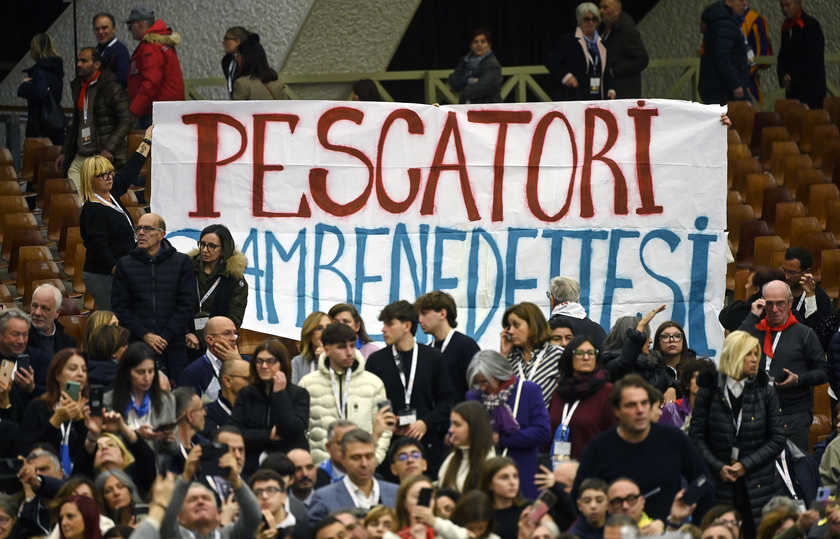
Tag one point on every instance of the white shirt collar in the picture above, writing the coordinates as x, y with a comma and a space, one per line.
735, 386
360, 499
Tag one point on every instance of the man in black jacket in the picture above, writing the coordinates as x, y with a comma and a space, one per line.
152, 294
626, 53
47, 333
101, 118
724, 69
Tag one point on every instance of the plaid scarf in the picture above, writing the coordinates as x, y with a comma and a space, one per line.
496, 405
573, 388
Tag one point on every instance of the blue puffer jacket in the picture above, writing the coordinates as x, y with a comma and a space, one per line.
155, 295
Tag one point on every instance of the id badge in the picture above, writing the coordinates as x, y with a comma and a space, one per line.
201, 320
407, 417
734, 454
750, 56
86, 138
562, 451
595, 84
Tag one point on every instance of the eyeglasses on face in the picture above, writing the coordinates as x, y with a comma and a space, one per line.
777, 304
630, 500
581, 353
268, 361
147, 229
267, 490
402, 457
790, 273
730, 523
105, 175
676, 337
589, 19
209, 246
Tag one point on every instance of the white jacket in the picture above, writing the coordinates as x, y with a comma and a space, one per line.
365, 391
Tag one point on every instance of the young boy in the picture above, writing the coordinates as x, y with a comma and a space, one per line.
592, 505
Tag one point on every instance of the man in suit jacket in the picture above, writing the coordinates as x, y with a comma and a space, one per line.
359, 488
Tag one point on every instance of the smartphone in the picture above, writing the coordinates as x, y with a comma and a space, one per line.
6, 368
141, 509
697, 489
96, 392
383, 404
821, 500
542, 506
425, 497
210, 455
73, 389
23, 362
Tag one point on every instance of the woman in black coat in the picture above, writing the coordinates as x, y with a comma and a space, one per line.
478, 77
43, 78
272, 413
737, 427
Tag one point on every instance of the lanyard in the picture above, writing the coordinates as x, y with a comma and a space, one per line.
446, 340
769, 359
801, 301
737, 422
785, 473
568, 412
207, 295
224, 407
85, 103
534, 367
65, 433
340, 400
410, 386
113, 205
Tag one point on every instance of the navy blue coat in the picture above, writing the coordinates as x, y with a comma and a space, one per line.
46, 74
723, 66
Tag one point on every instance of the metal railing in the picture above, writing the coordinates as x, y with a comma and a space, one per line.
519, 83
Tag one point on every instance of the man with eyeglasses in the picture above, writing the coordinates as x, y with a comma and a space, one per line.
153, 294
625, 498
233, 376
204, 373
650, 455
270, 490
791, 355
810, 302
407, 458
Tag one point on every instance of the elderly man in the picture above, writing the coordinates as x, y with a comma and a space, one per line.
801, 61
41, 468
626, 53
101, 119
31, 380
791, 355
564, 297
192, 512
47, 333
114, 53
359, 488
152, 294
203, 374
155, 72
233, 376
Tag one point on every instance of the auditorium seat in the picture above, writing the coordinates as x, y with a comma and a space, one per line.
765, 246
37, 271
64, 213
18, 240
10, 189
12, 204
785, 213
830, 266
55, 186
816, 243
822, 135
734, 197
739, 293
823, 422
732, 137
8, 174
740, 169
810, 118
821, 193
769, 136
757, 184
74, 325
750, 230
760, 121
768, 208
742, 114
30, 257
735, 215
792, 118
78, 283
832, 219
12, 223
45, 157
782, 151
27, 167
136, 212
804, 180
67, 251
831, 153
801, 228
6, 157
793, 164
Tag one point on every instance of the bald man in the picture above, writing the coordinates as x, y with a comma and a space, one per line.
204, 373
153, 294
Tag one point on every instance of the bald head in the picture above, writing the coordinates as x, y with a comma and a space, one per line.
220, 334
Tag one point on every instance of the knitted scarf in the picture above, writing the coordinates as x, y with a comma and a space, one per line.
496, 404
573, 388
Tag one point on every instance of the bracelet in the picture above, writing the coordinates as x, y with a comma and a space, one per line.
153, 502
147, 141
671, 524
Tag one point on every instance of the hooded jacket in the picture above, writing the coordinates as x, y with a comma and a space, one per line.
230, 297
363, 394
155, 71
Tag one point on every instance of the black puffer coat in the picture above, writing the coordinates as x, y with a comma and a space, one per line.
759, 441
630, 359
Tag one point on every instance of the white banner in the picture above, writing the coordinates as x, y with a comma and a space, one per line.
367, 203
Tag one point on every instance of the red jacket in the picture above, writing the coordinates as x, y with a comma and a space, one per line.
155, 72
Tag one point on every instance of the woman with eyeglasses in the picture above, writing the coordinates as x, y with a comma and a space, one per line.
221, 289
516, 411
106, 227
737, 428
578, 61
580, 407
311, 347
272, 412
670, 350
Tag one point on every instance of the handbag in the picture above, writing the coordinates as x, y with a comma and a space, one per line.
51, 114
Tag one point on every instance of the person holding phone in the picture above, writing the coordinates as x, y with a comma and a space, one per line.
737, 429
471, 518
408, 526
58, 416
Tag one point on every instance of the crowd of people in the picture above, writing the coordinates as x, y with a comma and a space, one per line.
156, 425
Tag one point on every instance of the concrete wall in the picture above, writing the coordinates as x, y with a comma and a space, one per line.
672, 30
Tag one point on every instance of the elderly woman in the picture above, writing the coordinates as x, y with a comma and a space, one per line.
221, 289
516, 410
579, 60
525, 340
627, 349
119, 494
737, 427
107, 229
580, 407
478, 77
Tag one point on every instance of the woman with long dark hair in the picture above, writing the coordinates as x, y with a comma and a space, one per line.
670, 350
580, 407
256, 80
272, 413
44, 79
472, 444
221, 289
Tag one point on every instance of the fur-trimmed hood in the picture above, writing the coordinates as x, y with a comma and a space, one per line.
232, 267
159, 33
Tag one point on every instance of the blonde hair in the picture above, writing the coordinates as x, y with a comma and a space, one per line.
92, 167
41, 47
128, 458
735, 348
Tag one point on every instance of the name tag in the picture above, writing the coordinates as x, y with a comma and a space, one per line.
595, 84
86, 138
407, 417
562, 453
201, 320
